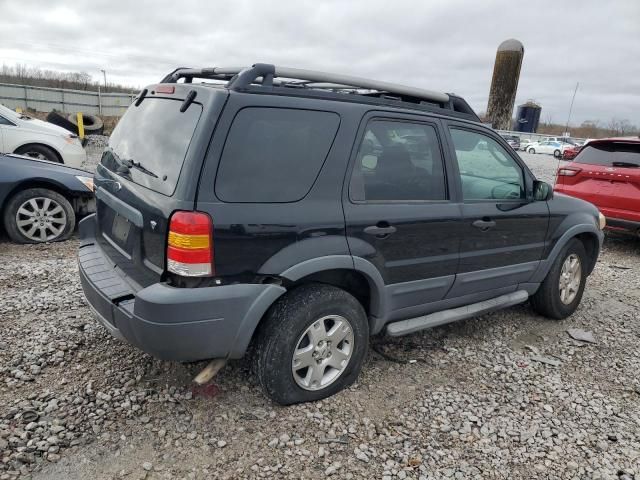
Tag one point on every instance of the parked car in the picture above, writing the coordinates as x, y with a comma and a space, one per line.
606, 172
565, 140
513, 141
570, 152
34, 138
240, 215
40, 200
552, 148
524, 144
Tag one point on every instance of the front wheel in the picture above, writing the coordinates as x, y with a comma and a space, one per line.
39, 215
311, 345
557, 153
532, 150
562, 289
39, 152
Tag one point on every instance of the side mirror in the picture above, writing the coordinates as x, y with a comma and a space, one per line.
542, 191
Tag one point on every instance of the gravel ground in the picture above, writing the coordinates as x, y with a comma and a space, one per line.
94, 147
506, 395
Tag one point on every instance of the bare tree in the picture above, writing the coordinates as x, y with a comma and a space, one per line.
24, 75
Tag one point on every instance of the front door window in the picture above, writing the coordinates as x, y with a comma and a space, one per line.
487, 171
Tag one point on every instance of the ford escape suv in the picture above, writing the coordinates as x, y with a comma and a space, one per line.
292, 214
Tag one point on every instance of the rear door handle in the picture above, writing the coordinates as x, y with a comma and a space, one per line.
484, 224
381, 230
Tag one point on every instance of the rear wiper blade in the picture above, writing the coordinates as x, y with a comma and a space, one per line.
625, 164
138, 166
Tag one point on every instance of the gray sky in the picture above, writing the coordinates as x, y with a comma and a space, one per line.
439, 45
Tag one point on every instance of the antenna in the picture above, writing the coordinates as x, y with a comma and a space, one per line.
566, 128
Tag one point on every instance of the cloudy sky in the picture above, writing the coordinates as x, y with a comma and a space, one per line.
439, 45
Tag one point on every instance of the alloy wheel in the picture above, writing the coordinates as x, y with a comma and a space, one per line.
41, 219
322, 352
36, 155
570, 278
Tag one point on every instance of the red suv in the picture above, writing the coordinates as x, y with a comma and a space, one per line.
606, 172
570, 152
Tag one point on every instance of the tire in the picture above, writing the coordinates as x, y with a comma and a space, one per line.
57, 119
547, 300
93, 125
288, 327
59, 226
557, 153
531, 150
40, 152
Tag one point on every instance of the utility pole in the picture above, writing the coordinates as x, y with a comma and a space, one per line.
104, 73
566, 128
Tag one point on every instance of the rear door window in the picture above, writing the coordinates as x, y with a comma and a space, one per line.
610, 154
399, 161
155, 135
274, 154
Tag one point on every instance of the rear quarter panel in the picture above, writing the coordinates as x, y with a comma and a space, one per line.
268, 238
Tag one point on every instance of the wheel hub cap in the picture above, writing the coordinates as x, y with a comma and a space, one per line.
322, 352
41, 219
570, 278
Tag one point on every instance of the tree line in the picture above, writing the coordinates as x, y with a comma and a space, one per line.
36, 77
592, 129
615, 127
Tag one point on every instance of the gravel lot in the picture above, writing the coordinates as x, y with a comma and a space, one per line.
507, 395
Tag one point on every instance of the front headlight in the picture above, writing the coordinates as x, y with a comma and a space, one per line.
70, 138
602, 221
87, 181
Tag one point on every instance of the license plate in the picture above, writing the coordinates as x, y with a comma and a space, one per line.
120, 229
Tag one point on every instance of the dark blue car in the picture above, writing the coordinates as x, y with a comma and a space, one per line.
40, 200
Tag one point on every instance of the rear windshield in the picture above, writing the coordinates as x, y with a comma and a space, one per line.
610, 154
149, 144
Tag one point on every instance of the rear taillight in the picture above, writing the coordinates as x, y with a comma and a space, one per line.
568, 171
190, 244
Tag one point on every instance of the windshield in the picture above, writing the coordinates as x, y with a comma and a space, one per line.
152, 137
610, 154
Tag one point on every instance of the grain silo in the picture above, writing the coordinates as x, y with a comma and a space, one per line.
504, 84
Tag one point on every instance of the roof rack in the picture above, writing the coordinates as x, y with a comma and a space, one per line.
268, 75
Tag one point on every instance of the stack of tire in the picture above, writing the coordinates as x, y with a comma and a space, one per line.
92, 124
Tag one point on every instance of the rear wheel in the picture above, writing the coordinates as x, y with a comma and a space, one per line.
532, 150
311, 345
557, 153
562, 289
40, 152
39, 215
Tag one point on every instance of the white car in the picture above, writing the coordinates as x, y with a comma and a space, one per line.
31, 137
525, 143
553, 148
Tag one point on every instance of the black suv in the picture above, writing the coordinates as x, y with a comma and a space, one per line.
293, 214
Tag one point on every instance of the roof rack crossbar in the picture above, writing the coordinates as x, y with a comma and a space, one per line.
216, 73
240, 78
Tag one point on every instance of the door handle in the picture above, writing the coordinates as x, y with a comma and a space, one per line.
381, 230
485, 224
